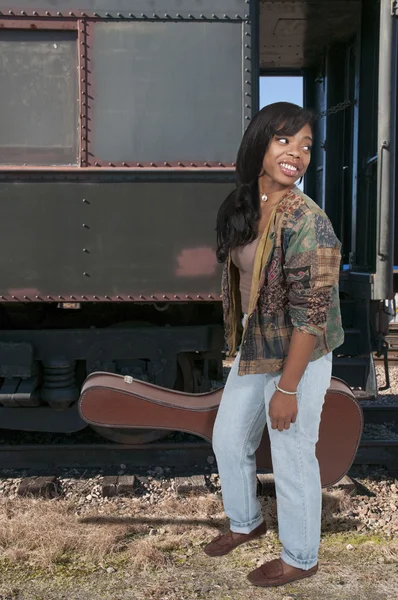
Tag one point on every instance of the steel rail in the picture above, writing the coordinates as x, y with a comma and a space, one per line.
378, 452
181, 458
379, 413
392, 340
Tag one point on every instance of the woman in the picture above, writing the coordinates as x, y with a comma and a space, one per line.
281, 273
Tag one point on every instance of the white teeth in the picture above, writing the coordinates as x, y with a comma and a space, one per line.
290, 167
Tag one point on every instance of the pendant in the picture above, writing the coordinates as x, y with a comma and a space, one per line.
264, 197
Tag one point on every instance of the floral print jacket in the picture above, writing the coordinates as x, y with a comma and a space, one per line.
295, 284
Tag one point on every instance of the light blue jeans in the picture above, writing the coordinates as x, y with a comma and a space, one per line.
241, 418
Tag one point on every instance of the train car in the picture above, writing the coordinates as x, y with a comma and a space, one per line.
119, 126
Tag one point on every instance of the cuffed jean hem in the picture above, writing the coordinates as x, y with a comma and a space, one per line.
245, 527
299, 564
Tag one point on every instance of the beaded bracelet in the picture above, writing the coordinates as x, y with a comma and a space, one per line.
284, 391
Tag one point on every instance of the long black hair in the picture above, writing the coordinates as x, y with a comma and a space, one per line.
239, 214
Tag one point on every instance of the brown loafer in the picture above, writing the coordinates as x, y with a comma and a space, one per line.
271, 574
225, 543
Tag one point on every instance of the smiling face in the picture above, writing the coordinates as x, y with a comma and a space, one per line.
286, 160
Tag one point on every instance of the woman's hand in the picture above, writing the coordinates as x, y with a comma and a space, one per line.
282, 410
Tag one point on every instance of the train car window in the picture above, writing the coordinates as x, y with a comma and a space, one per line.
38, 97
166, 91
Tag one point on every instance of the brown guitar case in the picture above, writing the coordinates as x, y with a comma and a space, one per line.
114, 401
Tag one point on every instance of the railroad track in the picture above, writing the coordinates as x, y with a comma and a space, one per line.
181, 457
185, 458
380, 451
392, 340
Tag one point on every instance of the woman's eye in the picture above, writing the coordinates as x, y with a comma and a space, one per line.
307, 148
283, 140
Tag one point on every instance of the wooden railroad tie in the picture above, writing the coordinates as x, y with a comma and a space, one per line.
120, 485
43, 487
191, 485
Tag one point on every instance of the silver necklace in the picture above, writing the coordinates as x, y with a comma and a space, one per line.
264, 197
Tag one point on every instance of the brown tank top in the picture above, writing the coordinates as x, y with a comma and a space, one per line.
243, 259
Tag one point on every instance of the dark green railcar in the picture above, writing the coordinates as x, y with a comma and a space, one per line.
119, 125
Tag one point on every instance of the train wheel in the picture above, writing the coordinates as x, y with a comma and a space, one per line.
130, 436
184, 381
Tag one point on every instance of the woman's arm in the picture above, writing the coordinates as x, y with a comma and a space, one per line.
312, 266
283, 408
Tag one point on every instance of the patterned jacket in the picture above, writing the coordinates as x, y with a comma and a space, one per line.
295, 284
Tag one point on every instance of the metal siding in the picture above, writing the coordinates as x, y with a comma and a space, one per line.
146, 8
38, 97
295, 34
335, 74
109, 239
386, 164
318, 157
309, 95
155, 96
366, 215
339, 128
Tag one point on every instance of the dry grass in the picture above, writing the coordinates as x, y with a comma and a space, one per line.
156, 551
44, 534
146, 555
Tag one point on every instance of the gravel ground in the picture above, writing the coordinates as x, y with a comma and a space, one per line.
165, 533
384, 431
373, 507
389, 396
